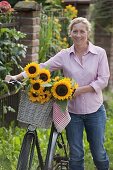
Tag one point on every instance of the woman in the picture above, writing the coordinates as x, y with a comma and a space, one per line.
88, 65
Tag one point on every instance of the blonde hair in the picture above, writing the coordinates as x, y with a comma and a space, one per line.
79, 20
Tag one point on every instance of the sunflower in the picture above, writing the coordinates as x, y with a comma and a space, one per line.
75, 86
35, 97
67, 79
44, 75
57, 78
62, 90
32, 96
45, 96
36, 85
32, 69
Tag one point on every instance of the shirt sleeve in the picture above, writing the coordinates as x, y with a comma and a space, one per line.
24, 74
54, 63
103, 74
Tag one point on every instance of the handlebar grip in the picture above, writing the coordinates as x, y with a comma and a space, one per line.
14, 82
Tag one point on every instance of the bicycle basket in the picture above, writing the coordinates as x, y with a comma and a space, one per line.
39, 115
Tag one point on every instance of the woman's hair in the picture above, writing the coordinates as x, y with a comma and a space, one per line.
79, 20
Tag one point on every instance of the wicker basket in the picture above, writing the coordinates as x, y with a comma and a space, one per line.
39, 115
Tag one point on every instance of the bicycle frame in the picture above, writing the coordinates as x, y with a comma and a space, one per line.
51, 149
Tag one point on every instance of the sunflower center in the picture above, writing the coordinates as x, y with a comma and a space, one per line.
45, 95
34, 94
36, 86
61, 90
43, 77
32, 70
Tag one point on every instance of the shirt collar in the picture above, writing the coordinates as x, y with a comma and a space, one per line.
71, 50
91, 48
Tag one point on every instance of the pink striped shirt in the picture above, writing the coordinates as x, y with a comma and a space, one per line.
93, 71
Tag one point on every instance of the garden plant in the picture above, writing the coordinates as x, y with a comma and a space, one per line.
11, 50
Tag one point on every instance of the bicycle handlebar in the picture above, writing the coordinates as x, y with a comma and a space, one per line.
12, 83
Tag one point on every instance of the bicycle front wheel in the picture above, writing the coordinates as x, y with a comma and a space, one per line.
27, 152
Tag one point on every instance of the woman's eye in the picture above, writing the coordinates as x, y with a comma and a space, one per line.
82, 32
75, 32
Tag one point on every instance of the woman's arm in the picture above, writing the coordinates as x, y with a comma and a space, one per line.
83, 89
103, 74
101, 80
54, 63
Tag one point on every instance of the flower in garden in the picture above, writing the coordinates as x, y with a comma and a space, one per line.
32, 69
56, 20
62, 90
6, 12
45, 75
70, 11
5, 7
65, 39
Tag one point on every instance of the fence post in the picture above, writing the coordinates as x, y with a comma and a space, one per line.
29, 23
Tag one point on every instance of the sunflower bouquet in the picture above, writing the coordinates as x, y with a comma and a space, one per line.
42, 87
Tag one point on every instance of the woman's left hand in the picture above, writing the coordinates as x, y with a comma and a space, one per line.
83, 89
77, 92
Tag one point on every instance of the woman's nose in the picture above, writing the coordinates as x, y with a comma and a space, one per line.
78, 34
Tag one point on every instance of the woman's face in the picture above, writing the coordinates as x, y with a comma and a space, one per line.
79, 34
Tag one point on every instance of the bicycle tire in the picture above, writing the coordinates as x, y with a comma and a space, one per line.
27, 149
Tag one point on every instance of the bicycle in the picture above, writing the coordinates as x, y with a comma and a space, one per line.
53, 160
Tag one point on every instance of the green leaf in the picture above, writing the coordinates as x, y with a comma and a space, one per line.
4, 109
47, 85
2, 68
47, 67
73, 82
9, 108
5, 162
62, 104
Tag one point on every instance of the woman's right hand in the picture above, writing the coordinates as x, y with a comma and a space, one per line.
9, 78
